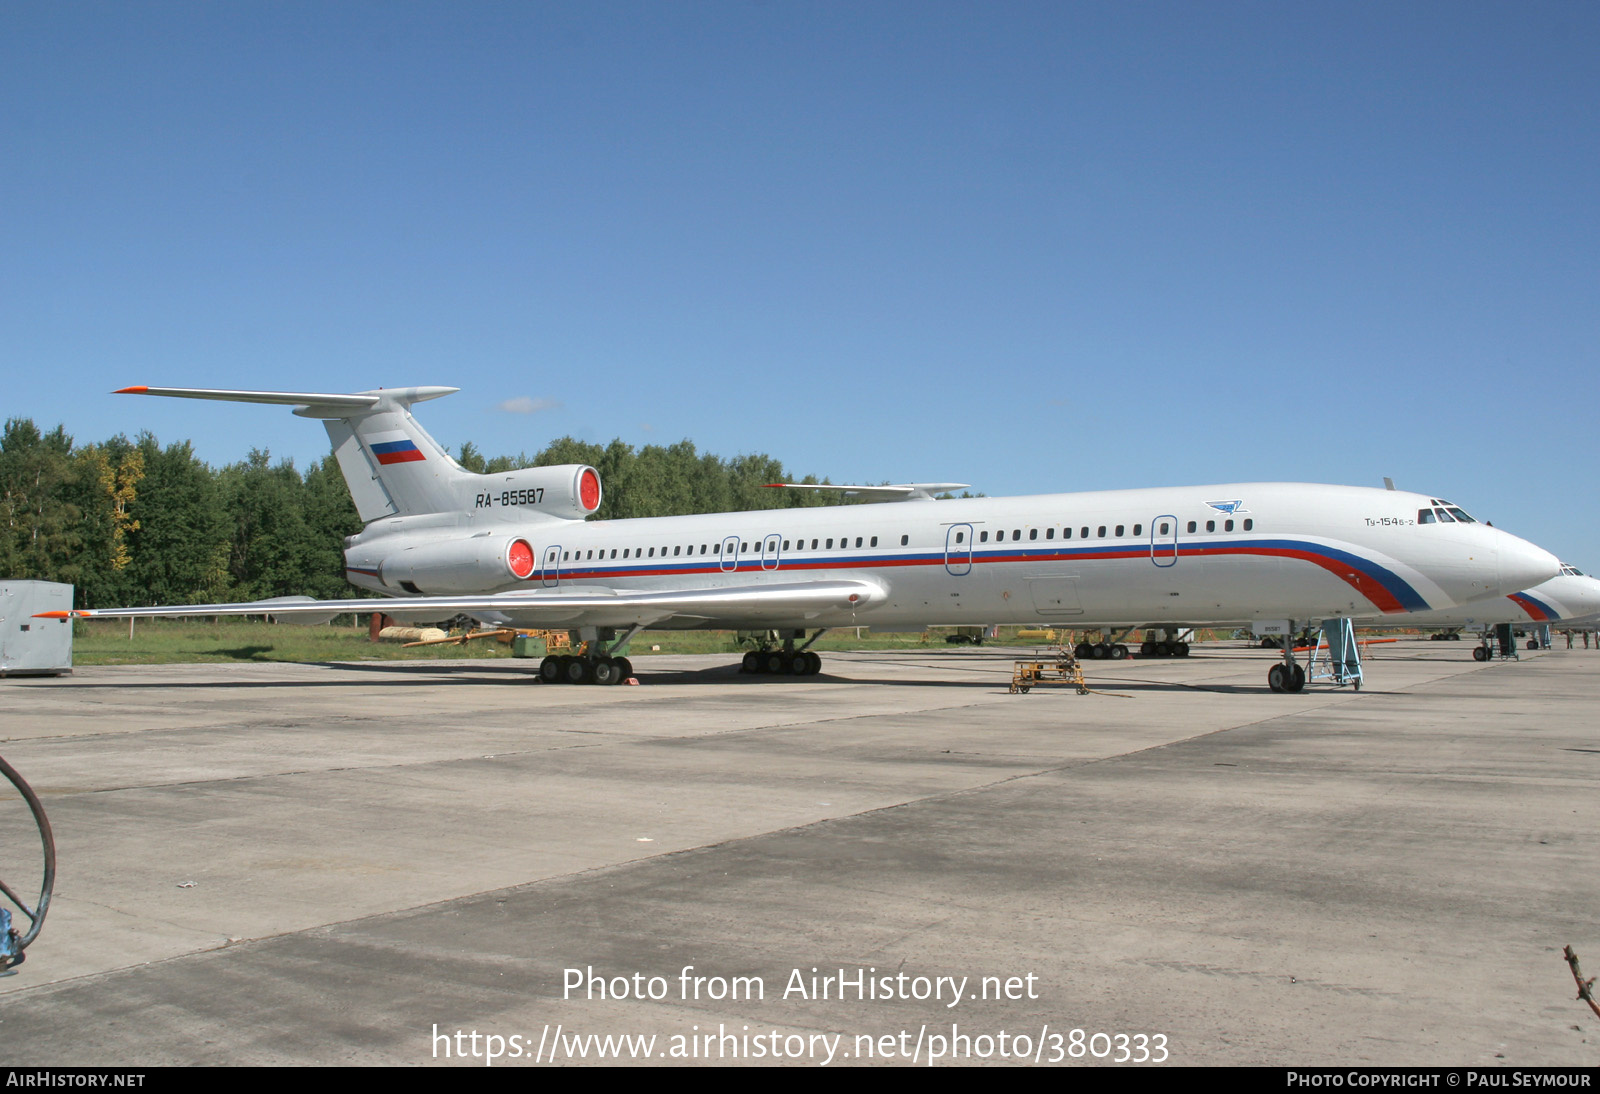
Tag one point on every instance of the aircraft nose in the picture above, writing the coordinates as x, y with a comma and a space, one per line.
1523, 565
1583, 597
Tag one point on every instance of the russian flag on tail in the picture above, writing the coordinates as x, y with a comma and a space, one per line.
394, 447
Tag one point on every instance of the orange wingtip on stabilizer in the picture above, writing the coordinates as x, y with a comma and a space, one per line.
140, 390
58, 615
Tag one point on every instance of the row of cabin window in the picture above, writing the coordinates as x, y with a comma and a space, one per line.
1162, 529
1119, 530
716, 549
1211, 526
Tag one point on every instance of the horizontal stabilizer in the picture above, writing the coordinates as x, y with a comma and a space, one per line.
320, 404
281, 398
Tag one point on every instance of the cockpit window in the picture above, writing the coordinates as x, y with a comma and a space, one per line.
1424, 516
1461, 515
1444, 516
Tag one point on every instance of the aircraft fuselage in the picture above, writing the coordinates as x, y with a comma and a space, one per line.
1191, 555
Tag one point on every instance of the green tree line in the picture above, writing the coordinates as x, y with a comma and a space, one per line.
132, 522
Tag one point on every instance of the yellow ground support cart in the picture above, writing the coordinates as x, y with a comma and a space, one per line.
1061, 670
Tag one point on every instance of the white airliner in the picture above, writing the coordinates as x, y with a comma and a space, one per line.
1570, 599
515, 549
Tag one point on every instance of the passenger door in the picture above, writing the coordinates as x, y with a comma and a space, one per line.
1164, 540
958, 549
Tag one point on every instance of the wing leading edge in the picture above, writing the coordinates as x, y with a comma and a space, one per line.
573, 606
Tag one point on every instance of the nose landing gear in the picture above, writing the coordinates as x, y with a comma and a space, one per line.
1288, 677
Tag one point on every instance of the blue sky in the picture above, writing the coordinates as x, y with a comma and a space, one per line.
1032, 247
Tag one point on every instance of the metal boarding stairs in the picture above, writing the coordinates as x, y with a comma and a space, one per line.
1337, 656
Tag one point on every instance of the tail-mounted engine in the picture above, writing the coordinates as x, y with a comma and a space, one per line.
485, 562
568, 491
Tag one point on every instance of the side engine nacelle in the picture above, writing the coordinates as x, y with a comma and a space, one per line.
483, 563
568, 491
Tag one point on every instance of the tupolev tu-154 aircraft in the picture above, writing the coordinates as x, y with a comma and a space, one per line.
516, 549
1570, 599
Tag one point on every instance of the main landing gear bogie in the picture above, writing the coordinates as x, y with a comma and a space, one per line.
567, 669
1100, 651
1163, 649
781, 663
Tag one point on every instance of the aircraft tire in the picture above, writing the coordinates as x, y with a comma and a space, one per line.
1083, 651
752, 663
1480, 654
774, 664
577, 671
1282, 678
550, 670
607, 671
625, 667
1181, 649
1117, 651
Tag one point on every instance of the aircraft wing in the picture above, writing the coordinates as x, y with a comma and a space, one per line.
575, 605
903, 491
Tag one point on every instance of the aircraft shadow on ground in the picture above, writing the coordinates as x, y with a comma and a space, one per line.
248, 653
404, 674
400, 673
409, 673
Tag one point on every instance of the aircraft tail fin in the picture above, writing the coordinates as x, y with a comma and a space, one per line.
390, 463
393, 468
